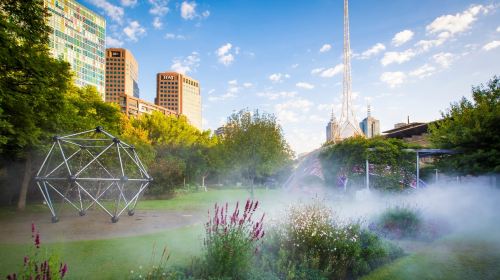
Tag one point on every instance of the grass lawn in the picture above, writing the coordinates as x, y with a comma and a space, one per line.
450, 258
205, 200
111, 258
190, 201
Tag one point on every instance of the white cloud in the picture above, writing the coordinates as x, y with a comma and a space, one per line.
304, 85
247, 85
375, 49
402, 37
114, 12
425, 45
325, 48
443, 59
188, 10
317, 71
393, 79
289, 112
425, 70
491, 45
157, 24
172, 36
272, 95
295, 65
134, 30
278, 77
211, 91
159, 7
113, 42
128, 3
227, 95
316, 118
498, 29
397, 57
328, 72
457, 23
231, 92
225, 55
186, 65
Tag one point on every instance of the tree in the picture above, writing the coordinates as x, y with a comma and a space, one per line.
182, 152
254, 144
32, 83
393, 167
472, 129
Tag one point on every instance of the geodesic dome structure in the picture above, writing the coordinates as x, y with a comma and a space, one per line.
92, 168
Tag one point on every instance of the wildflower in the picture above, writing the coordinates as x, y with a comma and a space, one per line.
64, 270
37, 240
131, 272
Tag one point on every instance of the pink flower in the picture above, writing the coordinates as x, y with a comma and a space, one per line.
37, 240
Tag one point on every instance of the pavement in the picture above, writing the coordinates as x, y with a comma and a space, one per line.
94, 225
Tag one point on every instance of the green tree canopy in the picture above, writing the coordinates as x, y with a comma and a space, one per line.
32, 83
471, 127
254, 143
393, 168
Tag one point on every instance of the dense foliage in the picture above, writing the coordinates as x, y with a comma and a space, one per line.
471, 127
400, 222
254, 145
391, 167
311, 243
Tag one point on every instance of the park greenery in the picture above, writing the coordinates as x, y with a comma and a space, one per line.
391, 167
39, 100
471, 128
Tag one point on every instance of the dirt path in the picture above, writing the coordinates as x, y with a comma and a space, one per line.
95, 225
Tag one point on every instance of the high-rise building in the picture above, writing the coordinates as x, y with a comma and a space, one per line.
78, 36
179, 93
122, 73
369, 125
332, 129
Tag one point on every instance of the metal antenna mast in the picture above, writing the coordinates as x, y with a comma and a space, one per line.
348, 126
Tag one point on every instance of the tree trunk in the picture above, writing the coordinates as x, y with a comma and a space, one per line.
21, 204
203, 182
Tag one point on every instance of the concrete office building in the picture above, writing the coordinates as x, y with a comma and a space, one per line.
122, 73
179, 93
369, 125
78, 37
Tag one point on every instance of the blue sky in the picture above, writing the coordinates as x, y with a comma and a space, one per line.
410, 57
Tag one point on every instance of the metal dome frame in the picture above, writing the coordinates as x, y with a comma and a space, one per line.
51, 181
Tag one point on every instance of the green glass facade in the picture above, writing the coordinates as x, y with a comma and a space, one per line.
79, 37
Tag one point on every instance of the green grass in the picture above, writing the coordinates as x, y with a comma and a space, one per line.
456, 258
112, 258
204, 200
190, 201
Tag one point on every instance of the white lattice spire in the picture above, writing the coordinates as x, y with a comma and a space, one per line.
348, 126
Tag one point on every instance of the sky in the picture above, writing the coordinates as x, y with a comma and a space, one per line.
410, 58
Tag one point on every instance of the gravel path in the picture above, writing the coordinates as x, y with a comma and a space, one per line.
95, 225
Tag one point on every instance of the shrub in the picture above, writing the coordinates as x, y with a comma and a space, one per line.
38, 265
230, 242
311, 243
400, 222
